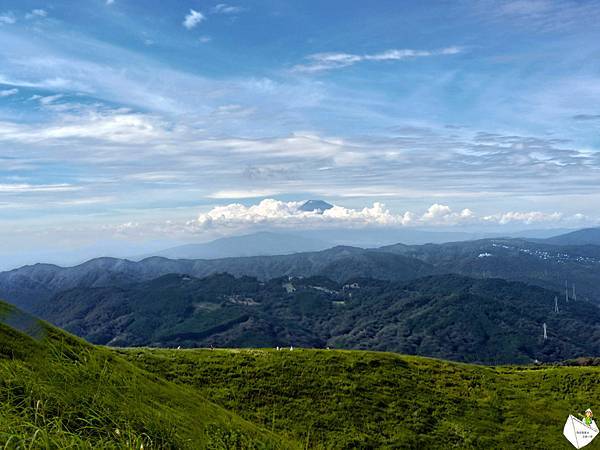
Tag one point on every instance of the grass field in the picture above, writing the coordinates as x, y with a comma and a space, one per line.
355, 399
57, 392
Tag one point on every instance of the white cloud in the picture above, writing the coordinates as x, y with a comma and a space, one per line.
271, 212
223, 8
204, 39
443, 215
7, 18
9, 92
156, 177
49, 99
116, 126
526, 217
327, 61
193, 19
278, 213
84, 201
110, 2
36, 13
23, 188
135, 80
233, 111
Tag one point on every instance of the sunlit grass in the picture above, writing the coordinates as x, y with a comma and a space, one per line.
356, 399
60, 392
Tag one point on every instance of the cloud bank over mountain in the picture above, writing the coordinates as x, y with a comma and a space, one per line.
278, 213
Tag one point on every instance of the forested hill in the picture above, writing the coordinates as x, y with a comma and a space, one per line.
446, 316
29, 286
539, 263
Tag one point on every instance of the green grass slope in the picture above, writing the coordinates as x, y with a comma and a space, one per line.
356, 399
56, 391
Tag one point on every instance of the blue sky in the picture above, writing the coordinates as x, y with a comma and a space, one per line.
127, 124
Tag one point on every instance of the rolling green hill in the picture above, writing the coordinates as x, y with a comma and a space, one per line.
57, 391
354, 399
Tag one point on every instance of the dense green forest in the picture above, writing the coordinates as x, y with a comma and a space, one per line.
446, 316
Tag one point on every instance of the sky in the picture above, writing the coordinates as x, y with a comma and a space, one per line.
129, 125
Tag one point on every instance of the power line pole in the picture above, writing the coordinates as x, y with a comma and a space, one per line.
567, 291
545, 331
556, 304
574, 293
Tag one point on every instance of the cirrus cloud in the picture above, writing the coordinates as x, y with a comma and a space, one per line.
223, 8
319, 62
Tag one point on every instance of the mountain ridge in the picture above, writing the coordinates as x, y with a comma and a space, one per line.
29, 285
586, 236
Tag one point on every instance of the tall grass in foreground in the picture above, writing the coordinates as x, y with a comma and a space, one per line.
59, 392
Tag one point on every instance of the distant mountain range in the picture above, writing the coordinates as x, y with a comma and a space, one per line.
534, 262
265, 243
32, 285
587, 236
446, 316
257, 244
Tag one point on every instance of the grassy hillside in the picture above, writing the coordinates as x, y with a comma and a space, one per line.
354, 399
57, 391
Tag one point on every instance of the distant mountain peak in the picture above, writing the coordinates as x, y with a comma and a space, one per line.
316, 206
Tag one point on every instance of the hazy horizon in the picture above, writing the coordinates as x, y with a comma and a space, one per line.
361, 238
